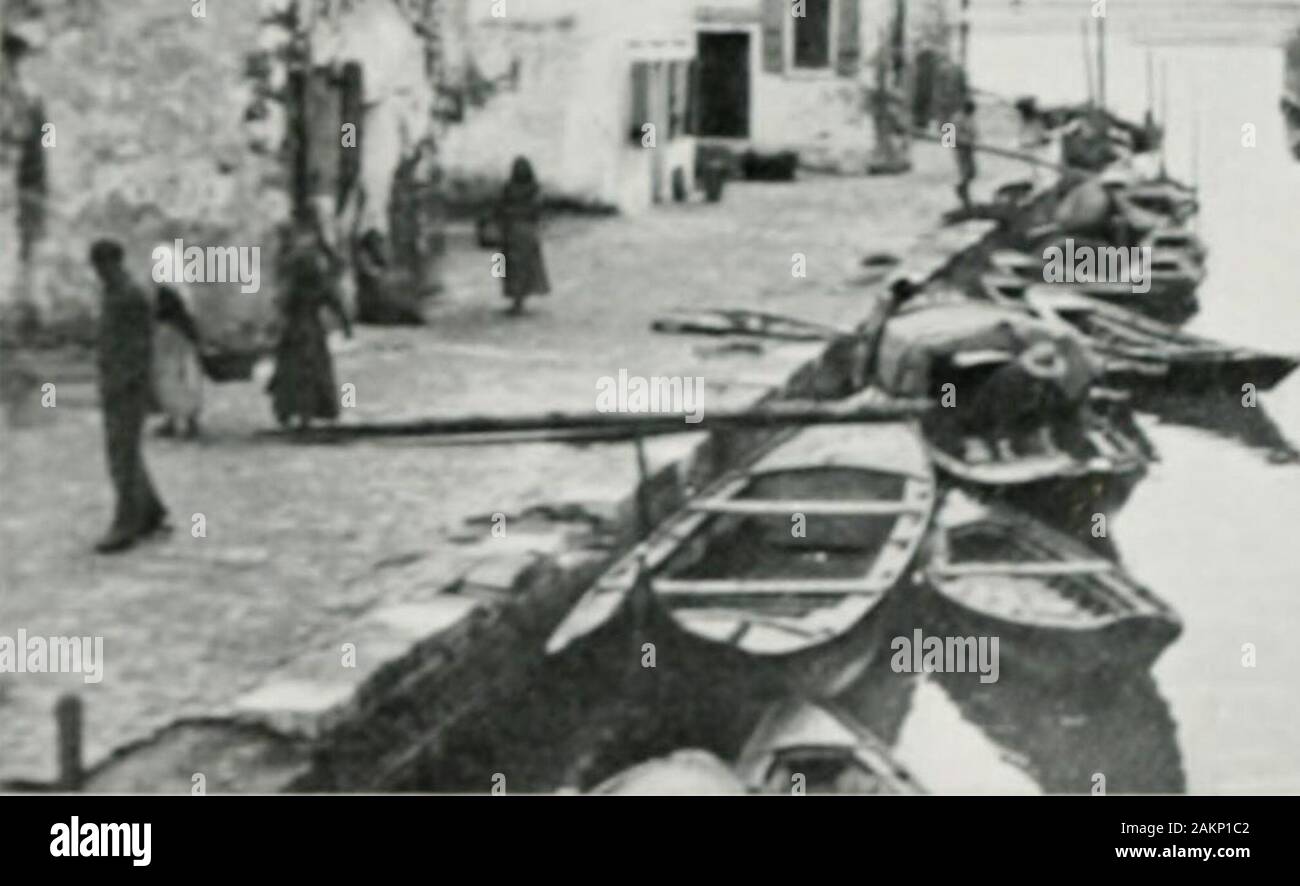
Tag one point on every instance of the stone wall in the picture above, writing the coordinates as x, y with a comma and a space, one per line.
124, 86
170, 121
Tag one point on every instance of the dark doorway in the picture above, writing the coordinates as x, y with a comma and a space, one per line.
723, 82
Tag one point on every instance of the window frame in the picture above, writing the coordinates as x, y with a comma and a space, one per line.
832, 45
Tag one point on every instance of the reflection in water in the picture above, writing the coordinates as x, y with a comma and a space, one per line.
1224, 415
1057, 738
1062, 738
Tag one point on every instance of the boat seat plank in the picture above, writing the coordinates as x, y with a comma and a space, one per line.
1064, 567
738, 587
822, 508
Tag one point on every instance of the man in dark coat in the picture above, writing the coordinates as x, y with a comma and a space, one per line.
125, 355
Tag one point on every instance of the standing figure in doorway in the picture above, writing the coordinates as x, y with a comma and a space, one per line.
125, 357
520, 213
303, 387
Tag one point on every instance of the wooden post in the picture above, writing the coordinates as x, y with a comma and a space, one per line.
67, 716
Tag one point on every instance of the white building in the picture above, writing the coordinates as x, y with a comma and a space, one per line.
799, 74
594, 93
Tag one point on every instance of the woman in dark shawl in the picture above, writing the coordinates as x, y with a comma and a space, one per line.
303, 385
520, 212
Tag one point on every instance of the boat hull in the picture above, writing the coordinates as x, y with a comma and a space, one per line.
1170, 301
1068, 502
716, 672
1114, 650
1190, 376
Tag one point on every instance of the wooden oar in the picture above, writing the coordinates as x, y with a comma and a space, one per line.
602, 426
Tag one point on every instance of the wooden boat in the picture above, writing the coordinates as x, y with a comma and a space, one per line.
691, 772
1058, 610
760, 324
783, 571
819, 748
1174, 202
1177, 239
1102, 454
1140, 354
1171, 296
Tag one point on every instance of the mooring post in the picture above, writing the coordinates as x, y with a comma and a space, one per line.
67, 716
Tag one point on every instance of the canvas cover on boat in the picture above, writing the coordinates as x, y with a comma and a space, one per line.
914, 341
1085, 208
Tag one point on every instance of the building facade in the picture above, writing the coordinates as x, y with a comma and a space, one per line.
172, 120
809, 75
595, 94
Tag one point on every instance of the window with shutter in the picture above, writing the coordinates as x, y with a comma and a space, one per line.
775, 15
812, 35
849, 30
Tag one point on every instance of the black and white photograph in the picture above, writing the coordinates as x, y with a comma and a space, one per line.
650, 397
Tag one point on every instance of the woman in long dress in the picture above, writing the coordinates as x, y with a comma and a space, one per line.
521, 213
303, 387
177, 373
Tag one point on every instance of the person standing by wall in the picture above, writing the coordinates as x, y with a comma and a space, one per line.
521, 213
967, 136
125, 357
303, 386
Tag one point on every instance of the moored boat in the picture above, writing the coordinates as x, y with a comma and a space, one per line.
819, 748
1059, 611
690, 772
782, 572
955, 346
1137, 353
1147, 356
1168, 293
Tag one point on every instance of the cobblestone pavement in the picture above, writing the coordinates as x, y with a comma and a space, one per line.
300, 541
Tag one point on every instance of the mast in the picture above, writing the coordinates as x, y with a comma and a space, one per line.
1101, 61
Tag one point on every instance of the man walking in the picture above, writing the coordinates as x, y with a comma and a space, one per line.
125, 355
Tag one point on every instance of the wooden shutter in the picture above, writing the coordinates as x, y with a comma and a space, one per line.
849, 52
775, 14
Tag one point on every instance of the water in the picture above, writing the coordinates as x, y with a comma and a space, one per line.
1212, 528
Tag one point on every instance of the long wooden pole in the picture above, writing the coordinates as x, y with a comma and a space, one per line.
1164, 118
1151, 88
612, 426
